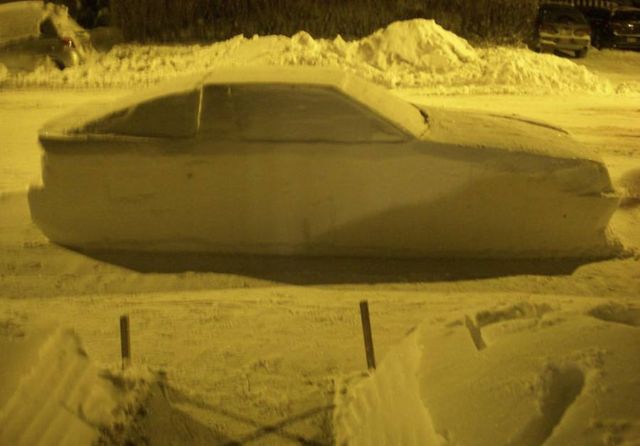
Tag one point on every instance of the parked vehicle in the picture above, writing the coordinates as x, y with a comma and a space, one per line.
561, 27
32, 33
311, 161
597, 17
618, 28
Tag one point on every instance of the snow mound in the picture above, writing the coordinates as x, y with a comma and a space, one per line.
362, 412
517, 69
50, 392
515, 376
420, 44
629, 184
409, 54
421, 54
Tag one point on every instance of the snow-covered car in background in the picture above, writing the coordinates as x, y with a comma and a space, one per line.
561, 27
32, 32
310, 161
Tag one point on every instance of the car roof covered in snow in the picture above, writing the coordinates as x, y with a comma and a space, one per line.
374, 97
20, 20
397, 111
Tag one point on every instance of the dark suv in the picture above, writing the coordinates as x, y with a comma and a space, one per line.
619, 28
561, 27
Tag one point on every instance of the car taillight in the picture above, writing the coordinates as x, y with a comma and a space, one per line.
581, 32
67, 41
548, 29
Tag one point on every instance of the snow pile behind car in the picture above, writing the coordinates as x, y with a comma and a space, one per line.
411, 54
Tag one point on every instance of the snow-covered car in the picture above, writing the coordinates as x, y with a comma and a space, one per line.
310, 161
561, 27
32, 32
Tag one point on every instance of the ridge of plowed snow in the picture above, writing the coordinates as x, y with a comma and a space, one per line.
409, 54
540, 376
51, 392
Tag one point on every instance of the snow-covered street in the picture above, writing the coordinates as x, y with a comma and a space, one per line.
261, 350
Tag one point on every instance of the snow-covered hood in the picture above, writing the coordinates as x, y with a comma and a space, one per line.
511, 133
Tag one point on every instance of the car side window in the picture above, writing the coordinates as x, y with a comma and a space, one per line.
173, 115
48, 29
290, 113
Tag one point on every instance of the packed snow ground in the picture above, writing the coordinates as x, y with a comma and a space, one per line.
259, 350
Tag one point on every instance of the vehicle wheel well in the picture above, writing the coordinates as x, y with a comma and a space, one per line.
59, 64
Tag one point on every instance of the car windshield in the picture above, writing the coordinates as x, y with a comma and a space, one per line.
563, 15
48, 29
626, 16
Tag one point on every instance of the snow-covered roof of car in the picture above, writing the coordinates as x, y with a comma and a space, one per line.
378, 99
397, 111
626, 9
20, 20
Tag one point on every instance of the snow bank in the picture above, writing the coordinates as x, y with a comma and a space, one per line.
410, 54
386, 409
521, 374
619, 66
50, 392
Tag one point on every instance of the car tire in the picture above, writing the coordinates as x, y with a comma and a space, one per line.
58, 63
581, 53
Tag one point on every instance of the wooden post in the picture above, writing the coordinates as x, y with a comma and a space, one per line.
368, 339
125, 341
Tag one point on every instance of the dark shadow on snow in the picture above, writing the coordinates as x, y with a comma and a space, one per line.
334, 270
163, 421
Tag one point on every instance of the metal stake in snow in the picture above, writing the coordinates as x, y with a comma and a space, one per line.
366, 330
125, 341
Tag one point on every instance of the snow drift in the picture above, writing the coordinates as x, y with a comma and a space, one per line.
50, 392
410, 54
524, 374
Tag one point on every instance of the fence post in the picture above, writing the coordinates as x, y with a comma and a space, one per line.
125, 341
368, 338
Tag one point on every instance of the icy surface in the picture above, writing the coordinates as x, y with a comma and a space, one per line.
411, 54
